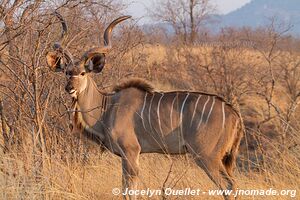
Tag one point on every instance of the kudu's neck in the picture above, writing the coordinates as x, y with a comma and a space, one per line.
92, 103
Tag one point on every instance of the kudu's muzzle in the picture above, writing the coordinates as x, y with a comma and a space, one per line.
69, 88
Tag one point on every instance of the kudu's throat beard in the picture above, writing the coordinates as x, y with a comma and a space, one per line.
74, 94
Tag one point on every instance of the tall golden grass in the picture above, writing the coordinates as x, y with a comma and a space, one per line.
79, 171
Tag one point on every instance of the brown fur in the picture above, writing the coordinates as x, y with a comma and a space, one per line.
138, 83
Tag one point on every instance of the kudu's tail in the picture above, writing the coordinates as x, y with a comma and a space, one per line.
230, 158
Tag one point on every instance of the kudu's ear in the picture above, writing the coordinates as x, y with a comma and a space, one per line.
96, 63
56, 58
54, 61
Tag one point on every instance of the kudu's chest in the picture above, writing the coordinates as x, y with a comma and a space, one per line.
91, 129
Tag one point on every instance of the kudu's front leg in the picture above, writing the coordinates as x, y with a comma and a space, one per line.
130, 167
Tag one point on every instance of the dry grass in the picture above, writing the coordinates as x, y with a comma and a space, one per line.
63, 177
96, 178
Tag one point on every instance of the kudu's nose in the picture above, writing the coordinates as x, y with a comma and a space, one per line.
69, 88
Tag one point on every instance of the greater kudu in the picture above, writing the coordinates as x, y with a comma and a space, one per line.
135, 119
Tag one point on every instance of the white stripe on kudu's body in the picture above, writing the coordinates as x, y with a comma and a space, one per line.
212, 106
194, 112
223, 111
171, 112
181, 112
118, 121
142, 112
203, 110
149, 112
158, 116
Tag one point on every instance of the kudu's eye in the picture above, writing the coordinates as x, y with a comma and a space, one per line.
82, 73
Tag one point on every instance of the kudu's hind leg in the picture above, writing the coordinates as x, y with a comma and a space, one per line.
228, 169
130, 168
228, 176
218, 174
